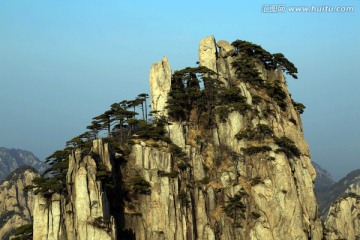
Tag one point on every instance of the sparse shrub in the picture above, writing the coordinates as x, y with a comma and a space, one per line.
287, 146
275, 91
183, 165
256, 149
176, 151
235, 208
172, 174
24, 232
298, 106
140, 186
182, 196
205, 180
256, 99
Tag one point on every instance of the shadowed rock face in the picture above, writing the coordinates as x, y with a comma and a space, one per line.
15, 204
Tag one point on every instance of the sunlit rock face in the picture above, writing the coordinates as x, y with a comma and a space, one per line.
202, 181
16, 205
278, 191
343, 220
160, 82
85, 212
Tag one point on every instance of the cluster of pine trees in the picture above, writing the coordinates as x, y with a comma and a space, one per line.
119, 124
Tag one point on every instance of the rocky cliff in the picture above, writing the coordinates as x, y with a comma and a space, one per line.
341, 206
349, 184
84, 212
230, 187
233, 162
16, 205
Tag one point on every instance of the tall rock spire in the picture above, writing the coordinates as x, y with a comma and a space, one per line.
208, 52
160, 84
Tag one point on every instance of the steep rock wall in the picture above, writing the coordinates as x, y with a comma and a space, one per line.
84, 213
343, 220
16, 205
279, 198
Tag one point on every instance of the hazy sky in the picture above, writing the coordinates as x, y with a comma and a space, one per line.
64, 62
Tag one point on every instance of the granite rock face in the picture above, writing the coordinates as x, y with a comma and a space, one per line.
199, 182
16, 206
343, 220
278, 194
160, 82
85, 212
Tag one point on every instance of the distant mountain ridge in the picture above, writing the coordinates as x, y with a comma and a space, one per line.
323, 179
327, 191
11, 159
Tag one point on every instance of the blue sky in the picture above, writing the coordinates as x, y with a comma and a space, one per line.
64, 62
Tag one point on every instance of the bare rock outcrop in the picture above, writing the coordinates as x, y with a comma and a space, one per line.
16, 205
208, 53
160, 82
84, 213
343, 220
188, 201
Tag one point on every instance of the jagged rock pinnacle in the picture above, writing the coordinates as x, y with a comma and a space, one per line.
207, 53
160, 84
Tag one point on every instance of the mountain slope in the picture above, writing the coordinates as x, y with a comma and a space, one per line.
323, 178
226, 161
349, 184
11, 159
15, 204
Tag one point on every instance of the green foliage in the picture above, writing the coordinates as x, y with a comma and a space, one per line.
271, 61
285, 65
172, 174
99, 222
298, 106
288, 147
231, 100
246, 71
182, 165
155, 131
235, 208
183, 197
259, 133
140, 186
177, 151
205, 180
256, 149
256, 99
24, 232
6, 216
222, 112
275, 91
53, 179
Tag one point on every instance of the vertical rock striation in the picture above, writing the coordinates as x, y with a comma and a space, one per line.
16, 205
84, 213
241, 172
277, 190
160, 82
343, 220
